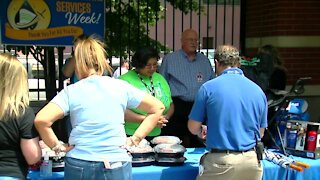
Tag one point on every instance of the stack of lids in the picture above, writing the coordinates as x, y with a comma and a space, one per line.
168, 151
142, 154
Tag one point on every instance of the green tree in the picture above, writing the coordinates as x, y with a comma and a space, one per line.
127, 23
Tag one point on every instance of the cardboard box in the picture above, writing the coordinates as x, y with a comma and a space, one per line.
302, 139
306, 154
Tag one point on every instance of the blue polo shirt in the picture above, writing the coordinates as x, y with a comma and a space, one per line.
234, 108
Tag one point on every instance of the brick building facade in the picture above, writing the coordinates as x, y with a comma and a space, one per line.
293, 26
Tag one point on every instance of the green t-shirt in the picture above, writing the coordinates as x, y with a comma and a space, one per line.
162, 92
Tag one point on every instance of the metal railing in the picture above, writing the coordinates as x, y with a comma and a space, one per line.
158, 23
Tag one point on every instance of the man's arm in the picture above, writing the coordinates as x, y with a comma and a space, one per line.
264, 118
194, 126
68, 68
164, 68
170, 111
197, 128
262, 132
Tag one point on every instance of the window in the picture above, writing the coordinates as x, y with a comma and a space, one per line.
207, 43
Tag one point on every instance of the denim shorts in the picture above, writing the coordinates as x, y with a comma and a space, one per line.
91, 170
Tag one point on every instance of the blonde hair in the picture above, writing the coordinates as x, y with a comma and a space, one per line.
90, 56
14, 91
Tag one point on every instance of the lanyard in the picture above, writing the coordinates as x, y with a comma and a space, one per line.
151, 90
233, 71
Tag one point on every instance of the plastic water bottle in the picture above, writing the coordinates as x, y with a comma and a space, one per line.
46, 166
292, 138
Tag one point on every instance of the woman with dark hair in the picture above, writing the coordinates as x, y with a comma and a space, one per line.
277, 80
266, 69
278, 77
145, 77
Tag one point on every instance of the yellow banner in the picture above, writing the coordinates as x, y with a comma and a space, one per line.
42, 34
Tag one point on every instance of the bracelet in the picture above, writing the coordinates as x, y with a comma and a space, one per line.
139, 138
57, 148
132, 141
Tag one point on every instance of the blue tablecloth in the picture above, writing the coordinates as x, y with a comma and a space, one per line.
189, 170
272, 171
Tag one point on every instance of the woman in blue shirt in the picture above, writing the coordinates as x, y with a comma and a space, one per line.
96, 105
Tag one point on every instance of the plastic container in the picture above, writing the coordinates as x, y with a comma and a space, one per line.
169, 154
142, 154
142, 150
144, 161
169, 148
291, 138
163, 161
166, 140
46, 166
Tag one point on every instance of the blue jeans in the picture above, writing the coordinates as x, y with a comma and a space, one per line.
91, 170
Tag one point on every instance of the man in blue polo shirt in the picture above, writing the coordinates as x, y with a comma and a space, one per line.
235, 111
185, 70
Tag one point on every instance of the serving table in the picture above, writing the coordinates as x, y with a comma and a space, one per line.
189, 170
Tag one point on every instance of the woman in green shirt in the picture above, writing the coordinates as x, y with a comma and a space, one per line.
145, 77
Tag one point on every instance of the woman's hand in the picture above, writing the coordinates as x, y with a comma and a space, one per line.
162, 121
62, 148
67, 147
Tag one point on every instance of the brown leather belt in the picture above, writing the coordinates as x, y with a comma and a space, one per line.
229, 151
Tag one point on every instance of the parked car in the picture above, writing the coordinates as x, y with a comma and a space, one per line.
210, 54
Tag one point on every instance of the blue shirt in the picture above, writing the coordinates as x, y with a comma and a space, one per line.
96, 106
185, 76
235, 109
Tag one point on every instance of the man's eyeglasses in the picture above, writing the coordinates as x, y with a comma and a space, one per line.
192, 40
150, 66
